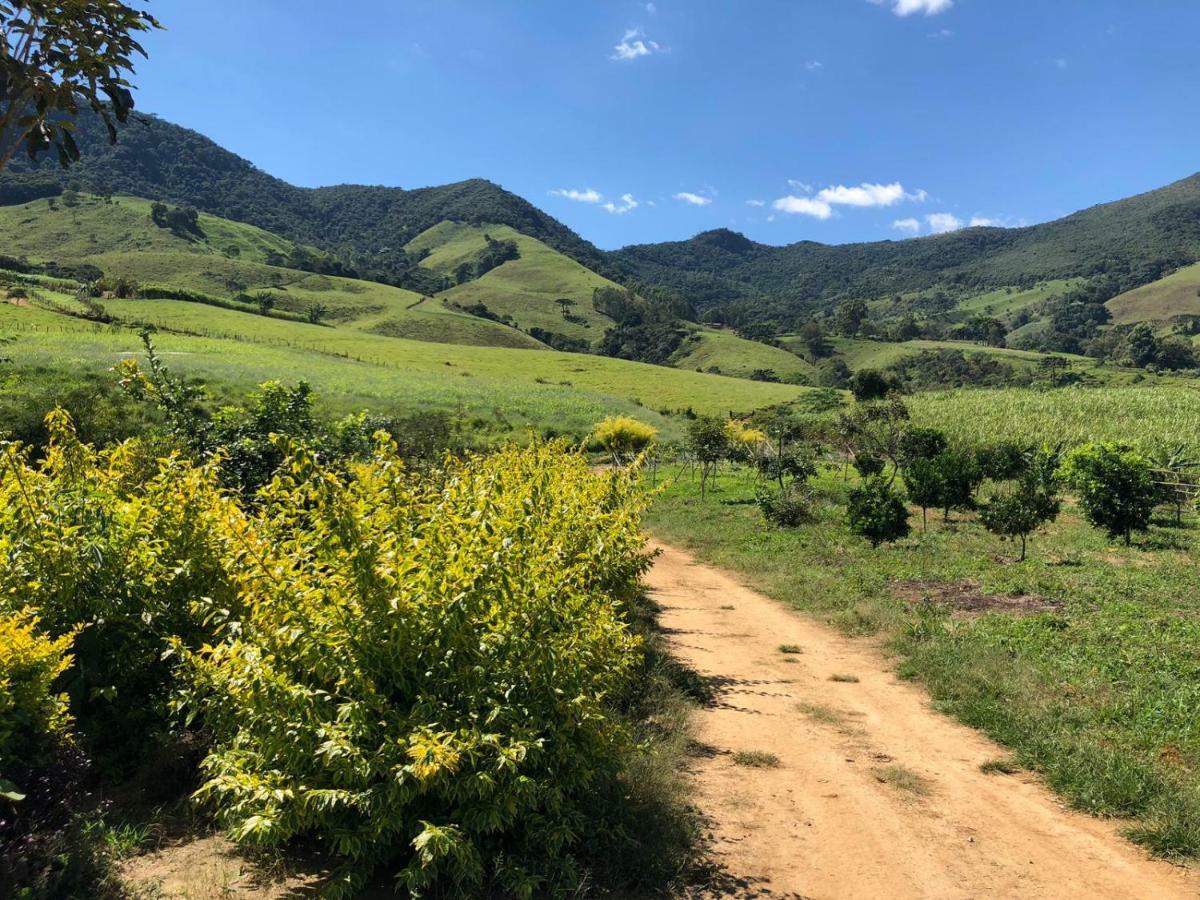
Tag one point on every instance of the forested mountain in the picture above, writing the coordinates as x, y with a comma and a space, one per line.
721, 275
1132, 241
368, 225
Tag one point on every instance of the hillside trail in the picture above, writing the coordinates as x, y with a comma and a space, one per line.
875, 795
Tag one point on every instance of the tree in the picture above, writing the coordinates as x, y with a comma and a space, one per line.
316, 313
623, 437
849, 317
815, 341
919, 442
877, 512
708, 443
870, 384
564, 305
960, 477
923, 478
57, 55
1034, 502
1116, 487
265, 301
1175, 471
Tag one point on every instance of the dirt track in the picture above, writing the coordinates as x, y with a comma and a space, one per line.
876, 795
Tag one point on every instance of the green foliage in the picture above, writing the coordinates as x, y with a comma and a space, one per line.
57, 55
869, 384
33, 716
116, 543
959, 476
1033, 502
920, 442
708, 444
876, 511
789, 506
416, 671
1116, 487
623, 437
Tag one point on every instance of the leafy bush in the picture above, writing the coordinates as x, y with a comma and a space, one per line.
921, 442
788, 507
1115, 485
959, 476
623, 437
1003, 461
417, 671
877, 512
32, 715
868, 465
117, 544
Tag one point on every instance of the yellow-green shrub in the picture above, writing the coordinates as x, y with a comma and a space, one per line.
623, 437
32, 713
114, 544
418, 670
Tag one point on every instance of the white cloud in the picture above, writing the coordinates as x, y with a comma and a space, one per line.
1060, 63
627, 203
868, 194
693, 199
985, 222
912, 226
806, 206
755, 203
909, 7
941, 33
799, 186
813, 64
651, 8
587, 195
940, 223
635, 44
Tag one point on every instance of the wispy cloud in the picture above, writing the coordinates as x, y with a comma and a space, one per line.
635, 45
910, 226
911, 7
941, 223
587, 195
941, 34
693, 199
626, 205
797, 185
867, 194
755, 203
813, 65
805, 206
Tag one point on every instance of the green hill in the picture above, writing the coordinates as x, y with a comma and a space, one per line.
1173, 297
223, 261
524, 289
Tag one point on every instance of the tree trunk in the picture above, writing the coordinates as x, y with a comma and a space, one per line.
1022, 559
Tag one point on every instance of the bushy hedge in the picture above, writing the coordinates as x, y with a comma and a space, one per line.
417, 671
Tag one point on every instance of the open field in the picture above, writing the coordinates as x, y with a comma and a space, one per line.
1004, 301
1166, 412
514, 389
712, 349
1082, 659
1176, 295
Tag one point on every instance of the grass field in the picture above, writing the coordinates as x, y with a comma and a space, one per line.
1176, 295
864, 354
507, 390
1093, 681
1004, 301
732, 355
1159, 411
523, 288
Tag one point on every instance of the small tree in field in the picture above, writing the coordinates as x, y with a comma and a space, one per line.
960, 477
919, 442
877, 512
1034, 502
1115, 485
923, 478
708, 443
624, 437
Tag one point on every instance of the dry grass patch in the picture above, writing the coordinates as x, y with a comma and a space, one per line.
756, 759
902, 778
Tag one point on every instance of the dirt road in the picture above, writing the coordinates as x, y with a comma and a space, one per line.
874, 795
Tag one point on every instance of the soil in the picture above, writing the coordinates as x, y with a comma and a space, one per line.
874, 794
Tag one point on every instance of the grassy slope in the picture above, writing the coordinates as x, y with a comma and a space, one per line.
1003, 301
121, 240
524, 288
1176, 295
732, 355
544, 389
864, 354
1099, 695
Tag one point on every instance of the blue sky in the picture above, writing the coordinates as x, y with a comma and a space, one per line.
631, 121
